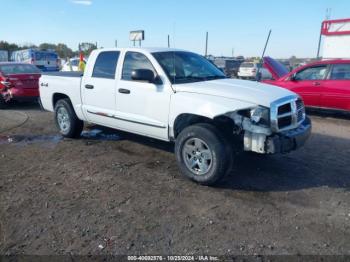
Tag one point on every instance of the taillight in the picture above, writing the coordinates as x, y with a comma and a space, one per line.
5, 82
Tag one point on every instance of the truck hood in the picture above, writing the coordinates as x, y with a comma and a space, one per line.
276, 69
248, 91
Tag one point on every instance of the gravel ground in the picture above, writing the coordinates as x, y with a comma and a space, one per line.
115, 193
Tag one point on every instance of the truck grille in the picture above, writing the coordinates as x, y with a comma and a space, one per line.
287, 113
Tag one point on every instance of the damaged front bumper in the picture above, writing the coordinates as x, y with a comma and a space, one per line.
283, 142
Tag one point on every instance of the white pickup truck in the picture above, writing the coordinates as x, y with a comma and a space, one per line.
180, 97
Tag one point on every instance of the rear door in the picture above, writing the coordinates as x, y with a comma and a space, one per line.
336, 93
309, 84
98, 89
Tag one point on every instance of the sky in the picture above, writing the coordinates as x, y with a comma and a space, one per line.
237, 26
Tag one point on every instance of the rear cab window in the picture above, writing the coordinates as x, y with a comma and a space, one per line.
247, 65
106, 64
340, 72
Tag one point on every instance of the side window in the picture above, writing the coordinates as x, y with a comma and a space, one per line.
106, 64
340, 72
312, 73
134, 61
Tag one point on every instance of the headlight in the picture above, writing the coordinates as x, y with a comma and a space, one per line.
260, 115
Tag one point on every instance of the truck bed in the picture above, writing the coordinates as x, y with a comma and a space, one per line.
61, 83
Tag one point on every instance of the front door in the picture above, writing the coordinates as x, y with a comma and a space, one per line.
309, 84
142, 107
99, 89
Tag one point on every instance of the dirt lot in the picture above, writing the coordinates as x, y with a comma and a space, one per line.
114, 193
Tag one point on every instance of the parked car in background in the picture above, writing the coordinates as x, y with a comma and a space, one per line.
45, 60
229, 66
71, 65
4, 56
322, 84
19, 82
248, 70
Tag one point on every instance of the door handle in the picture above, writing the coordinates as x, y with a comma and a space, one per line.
124, 91
89, 86
317, 83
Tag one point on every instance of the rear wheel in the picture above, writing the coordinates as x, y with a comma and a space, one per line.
66, 120
3, 103
202, 153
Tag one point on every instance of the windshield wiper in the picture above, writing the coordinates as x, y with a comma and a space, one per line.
197, 78
190, 78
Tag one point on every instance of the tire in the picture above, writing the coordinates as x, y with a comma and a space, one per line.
210, 163
3, 104
67, 122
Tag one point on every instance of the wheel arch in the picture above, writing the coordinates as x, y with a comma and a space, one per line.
222, 122
58, 96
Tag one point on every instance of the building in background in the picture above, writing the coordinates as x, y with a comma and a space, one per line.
336, 39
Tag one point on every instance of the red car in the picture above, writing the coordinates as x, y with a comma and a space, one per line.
19, 82
322, 84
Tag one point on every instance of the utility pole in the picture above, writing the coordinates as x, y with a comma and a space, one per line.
328, 16
206, 45
168, 41
116, 43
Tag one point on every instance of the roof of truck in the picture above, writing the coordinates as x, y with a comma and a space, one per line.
147, 49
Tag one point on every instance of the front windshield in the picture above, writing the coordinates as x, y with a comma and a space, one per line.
185, 67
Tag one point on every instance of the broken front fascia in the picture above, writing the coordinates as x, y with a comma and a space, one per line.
255, 136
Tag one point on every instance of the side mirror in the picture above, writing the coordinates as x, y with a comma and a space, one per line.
143, 75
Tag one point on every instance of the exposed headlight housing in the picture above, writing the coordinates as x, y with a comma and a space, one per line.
260, 115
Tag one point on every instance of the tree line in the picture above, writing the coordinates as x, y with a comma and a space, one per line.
61, 49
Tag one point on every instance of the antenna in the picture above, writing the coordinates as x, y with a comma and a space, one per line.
257, 77
206, 45
328, 13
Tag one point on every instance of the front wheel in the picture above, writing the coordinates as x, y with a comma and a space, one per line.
202, 153
68, 123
